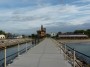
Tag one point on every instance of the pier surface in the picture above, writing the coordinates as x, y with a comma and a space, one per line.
45, 54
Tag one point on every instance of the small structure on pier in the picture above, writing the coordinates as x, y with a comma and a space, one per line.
42, 32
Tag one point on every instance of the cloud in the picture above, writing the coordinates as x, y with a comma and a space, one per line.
81, 2
51, 16
84, 0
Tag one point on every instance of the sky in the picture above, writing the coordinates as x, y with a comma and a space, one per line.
26, 16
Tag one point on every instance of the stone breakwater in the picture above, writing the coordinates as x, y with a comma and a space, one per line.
12, 42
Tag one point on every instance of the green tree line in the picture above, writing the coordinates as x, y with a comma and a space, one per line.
87, 32
2, 32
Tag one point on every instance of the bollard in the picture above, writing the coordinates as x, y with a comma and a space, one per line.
18, 50
5, 58
74, 58
26, 47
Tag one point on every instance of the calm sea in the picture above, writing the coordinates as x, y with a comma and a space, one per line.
12, 50
81, 47
84, 49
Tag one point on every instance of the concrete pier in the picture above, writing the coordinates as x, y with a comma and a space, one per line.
45, 54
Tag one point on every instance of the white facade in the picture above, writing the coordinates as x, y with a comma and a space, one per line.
2, 36
18, 37
53, 34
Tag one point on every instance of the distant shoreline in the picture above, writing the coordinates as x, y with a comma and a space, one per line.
73, 40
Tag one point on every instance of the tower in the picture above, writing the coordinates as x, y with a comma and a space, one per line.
41, 27
42, 32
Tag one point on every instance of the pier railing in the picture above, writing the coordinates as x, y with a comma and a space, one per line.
74, 57
6, 60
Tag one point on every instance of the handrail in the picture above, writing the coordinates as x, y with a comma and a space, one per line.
13, 55
84, 58
76, 54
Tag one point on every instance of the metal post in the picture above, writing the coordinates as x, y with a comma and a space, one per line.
18, 49
26, 47
65, 52
60, 49
74, 57
5, 58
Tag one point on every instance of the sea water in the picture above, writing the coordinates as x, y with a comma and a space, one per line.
12, 50
83, 48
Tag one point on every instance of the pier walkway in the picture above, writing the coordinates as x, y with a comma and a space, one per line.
45, 54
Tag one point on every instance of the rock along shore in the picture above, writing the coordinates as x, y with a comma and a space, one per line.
13, 42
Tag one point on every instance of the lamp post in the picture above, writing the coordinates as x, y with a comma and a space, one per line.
18, 50
74, 57
5, 58
26, 47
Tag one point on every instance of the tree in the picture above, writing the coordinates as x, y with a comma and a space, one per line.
29, 36
23, 36
59, 33
2, 32
87, 32
79, 31
48, 35
9, 35
34, 36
